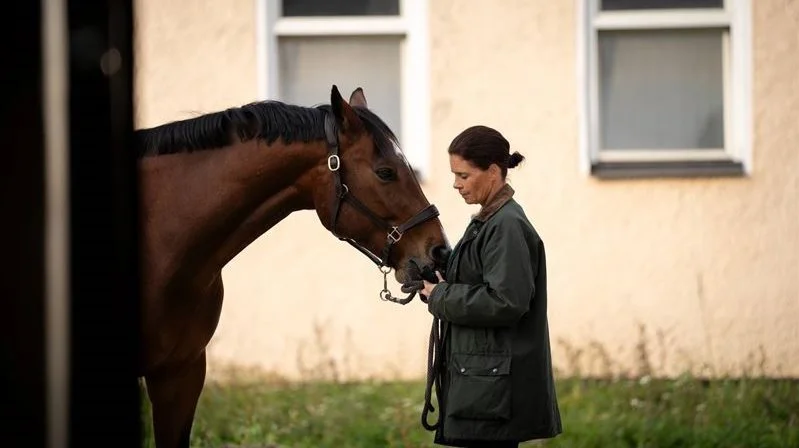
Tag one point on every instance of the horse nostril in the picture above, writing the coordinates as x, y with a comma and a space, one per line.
440, 255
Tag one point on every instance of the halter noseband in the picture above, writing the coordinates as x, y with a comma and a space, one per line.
342, 194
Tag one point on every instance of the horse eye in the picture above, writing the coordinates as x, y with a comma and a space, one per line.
386, 174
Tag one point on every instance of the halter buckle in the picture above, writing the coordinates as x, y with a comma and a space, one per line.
394, 235
330, 162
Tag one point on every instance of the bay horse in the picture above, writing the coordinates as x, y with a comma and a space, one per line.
211, 185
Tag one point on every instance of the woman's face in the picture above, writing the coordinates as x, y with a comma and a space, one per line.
475, 185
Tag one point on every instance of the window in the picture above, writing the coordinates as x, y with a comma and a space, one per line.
666, 87
306, 46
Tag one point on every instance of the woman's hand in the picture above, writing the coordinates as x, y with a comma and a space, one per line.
428, 287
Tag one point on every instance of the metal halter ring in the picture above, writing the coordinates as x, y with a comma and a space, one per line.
330, 160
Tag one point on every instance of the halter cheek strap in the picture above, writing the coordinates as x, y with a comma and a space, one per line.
341, 194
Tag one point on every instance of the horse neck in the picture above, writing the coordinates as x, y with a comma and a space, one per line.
201, 209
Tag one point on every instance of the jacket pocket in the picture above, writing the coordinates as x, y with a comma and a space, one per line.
479, 387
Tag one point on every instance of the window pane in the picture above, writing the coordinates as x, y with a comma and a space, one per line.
340, 7
309, 66
661, 89
615, 5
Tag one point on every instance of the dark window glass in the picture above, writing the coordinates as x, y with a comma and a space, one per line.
295, 8
661, 89
616, 5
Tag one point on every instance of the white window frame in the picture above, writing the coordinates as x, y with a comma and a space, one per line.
411, 24
735, 16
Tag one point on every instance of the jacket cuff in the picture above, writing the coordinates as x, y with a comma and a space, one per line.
435, 296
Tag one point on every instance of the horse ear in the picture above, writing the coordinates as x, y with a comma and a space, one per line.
358, 98
347, 119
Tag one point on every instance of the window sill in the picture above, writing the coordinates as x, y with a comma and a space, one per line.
671, 169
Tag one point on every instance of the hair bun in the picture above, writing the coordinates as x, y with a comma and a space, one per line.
515, 159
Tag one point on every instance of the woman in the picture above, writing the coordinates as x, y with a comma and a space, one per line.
497, 387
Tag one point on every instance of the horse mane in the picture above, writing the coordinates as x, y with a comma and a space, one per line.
265, 120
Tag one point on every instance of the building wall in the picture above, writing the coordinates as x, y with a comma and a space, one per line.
703, 273
192, 57
711, 264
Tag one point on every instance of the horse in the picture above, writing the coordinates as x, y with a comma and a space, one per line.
212, 184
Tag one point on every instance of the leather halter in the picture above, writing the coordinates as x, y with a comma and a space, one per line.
342, 194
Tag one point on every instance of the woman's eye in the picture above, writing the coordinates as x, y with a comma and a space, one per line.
386, 174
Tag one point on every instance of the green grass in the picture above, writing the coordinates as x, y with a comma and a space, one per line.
684, 412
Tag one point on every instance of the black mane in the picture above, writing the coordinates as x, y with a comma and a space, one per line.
267, 120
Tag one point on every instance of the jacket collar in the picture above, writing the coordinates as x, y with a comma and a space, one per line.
501, 198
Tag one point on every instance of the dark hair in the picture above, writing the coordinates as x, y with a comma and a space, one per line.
483, 146
266, 120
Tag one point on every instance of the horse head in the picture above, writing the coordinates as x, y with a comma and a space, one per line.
367, 194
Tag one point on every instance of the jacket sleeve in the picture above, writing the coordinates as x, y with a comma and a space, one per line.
509, 266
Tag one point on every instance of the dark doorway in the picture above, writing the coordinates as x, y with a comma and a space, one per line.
69, 219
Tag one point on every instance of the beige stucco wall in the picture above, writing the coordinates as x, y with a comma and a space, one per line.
192, 57
709, 268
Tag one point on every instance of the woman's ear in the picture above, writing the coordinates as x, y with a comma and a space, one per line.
495, 171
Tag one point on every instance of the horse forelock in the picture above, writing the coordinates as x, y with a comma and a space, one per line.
385, 141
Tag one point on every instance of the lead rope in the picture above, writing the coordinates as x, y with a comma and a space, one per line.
434, 351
